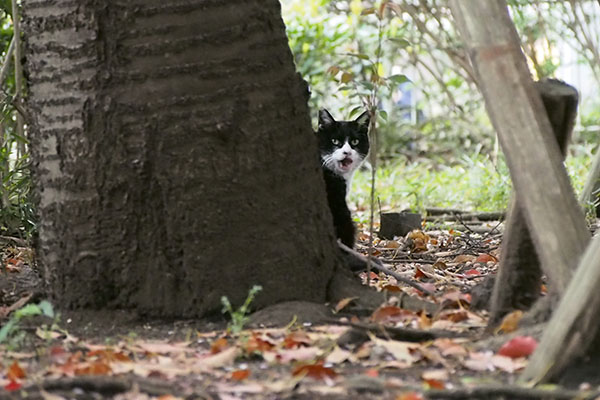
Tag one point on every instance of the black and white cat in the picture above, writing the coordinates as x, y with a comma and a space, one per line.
343, 145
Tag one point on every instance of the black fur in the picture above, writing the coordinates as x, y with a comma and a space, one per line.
333, 137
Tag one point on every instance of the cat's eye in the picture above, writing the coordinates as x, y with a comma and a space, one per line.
335, 142
354, 142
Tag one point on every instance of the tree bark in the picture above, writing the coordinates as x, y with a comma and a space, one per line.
519, 276
174, 159
542, 185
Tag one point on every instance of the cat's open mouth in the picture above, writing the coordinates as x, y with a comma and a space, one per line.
346, 163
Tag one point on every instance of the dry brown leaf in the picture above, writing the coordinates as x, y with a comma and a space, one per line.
510, 322
344, 303
437, 374
401, 351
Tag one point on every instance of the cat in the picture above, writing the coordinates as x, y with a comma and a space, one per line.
343, 147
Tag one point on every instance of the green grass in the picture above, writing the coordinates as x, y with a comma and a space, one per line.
472, 183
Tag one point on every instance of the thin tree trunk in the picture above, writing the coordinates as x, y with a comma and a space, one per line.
20, 123
175, 157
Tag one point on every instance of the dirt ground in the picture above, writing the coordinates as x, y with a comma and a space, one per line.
316, 351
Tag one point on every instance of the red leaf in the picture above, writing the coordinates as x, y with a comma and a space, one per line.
219, 345
485, 258
519, 346
419, 274
390, 314
12, 386
372, 372
391, 288
295, 340
435, 384
315, 371
15, 372
256, 344
94, 368
240, 374
410, 396
472, 272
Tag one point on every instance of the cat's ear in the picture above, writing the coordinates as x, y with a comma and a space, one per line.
325, 118
363, 119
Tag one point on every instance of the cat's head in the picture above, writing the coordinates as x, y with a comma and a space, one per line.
343, 144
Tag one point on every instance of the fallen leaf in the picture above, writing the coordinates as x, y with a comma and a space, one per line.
519, 346
455, 298
391, 288
434, 384
390, 244
315, 371
225, 357
240, 374
12, 386
93, 368
401, 351
480, 361
463, 258
507, 364
455, 316
344, 303
15, 372
296, 339
436, 374
338, 356
372, 372
510, 322
484, 258
439, 264
49, 396
257, 344
299, 354
219, 345
472, 272
391, 314
419, 274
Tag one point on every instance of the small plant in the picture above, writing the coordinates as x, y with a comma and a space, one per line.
11, 332
239, 317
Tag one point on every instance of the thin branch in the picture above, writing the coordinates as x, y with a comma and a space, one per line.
7, 59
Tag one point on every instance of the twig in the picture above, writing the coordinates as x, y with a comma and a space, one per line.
7, 59
376, 264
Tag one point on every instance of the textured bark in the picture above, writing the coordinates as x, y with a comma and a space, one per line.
544, 192
519, 277
174, 157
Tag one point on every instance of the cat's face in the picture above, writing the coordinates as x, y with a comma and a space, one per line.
343, 144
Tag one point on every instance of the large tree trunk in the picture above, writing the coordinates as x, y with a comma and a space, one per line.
173, 156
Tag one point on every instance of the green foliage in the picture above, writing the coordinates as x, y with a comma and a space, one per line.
12, 334
17, 216
239, 317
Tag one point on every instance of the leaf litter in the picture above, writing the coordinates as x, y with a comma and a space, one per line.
279, 362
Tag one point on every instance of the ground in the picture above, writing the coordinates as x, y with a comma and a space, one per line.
333, 351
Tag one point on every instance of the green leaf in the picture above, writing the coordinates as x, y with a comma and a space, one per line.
368, 11
398, 79
402, 43
355, 111
7, 329
28, 310
47, 308
347, 77
383, 114
358, 55
367, 84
